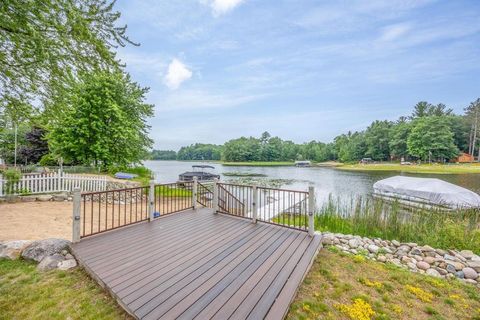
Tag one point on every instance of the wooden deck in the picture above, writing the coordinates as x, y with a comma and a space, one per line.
200, 265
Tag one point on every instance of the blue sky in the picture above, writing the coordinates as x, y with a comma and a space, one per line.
302, 70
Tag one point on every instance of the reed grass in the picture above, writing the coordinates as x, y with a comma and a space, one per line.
370, 217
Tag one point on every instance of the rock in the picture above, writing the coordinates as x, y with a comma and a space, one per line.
64, 252
411, 244
67, 264
460, 257
474, 265
427, 249
449, 257
456, 265
470, 273
429, 260
28, 198
416, 252
13, 249
470, 281
423, 265
475, 258
433, 272
354, 243
39, 249
441, 271
68, 256
467, 254
450, 268
418, 258
406, 259
373, 248
382, 258
327, 239
396, 243
60, 197
403, 248
441, 252
430, 254
50, 262
459, 274
412, 266
44, 197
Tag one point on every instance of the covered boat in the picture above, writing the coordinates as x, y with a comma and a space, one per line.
200, 173
426, 192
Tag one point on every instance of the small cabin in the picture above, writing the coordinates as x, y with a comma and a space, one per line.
303, 163
464, 158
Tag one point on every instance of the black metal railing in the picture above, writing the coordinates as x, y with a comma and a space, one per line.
283, 207
172, 197
205, 194
107, 210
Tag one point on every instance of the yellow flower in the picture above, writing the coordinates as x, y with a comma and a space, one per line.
368, 283
455, 296
358, 258
420, 293
397, 309
359, 310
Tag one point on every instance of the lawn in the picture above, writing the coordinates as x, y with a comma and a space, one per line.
26, 293
422, 168
341, 286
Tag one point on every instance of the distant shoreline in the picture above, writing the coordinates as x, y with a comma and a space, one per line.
422, 168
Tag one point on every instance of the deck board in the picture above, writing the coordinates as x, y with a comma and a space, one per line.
197, 264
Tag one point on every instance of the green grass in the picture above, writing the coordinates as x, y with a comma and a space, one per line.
143, 174
259, 163
26, 293
166, 191
341, 286
450, 168
374, 218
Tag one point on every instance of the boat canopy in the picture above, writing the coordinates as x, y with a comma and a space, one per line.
203, 166
427, 190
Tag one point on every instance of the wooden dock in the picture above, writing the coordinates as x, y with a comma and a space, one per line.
199, 265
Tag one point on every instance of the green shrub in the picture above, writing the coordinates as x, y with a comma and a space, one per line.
12, 176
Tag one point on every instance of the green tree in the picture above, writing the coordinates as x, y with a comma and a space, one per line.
242, 149
398, 138
377, 138
105, 124
44, 45
432, 138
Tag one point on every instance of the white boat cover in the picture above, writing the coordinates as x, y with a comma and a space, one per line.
427, 190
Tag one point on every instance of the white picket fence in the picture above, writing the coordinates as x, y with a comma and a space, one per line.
53, 182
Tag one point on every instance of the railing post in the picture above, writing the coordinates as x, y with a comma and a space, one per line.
77, 199
311, 209
151, 200
215, 195
254, 203
194, 193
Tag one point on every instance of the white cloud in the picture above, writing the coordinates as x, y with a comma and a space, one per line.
395, 31
220, 7
177, 73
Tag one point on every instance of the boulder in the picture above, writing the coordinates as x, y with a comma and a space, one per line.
28, 198
429, 260
373, 248
467, 254
382, 258
67, 264
474, 265
457, 265
396, 243
422, 265
470, 273
50, 262
13, 249
60, 197
40, 249
44, 197
354, 243
416, 252
433, 273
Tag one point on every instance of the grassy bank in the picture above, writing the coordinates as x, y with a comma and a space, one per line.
422, 168
341, 286
259, 163
374, 218
26, 293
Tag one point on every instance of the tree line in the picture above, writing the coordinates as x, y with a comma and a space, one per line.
429, 133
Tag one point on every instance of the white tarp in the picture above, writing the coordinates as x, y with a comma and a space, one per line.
428, 190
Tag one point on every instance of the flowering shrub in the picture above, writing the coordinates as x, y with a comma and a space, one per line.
359, 310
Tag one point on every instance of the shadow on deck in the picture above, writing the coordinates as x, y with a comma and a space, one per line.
200, 265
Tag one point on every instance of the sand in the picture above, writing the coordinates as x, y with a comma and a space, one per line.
35, 220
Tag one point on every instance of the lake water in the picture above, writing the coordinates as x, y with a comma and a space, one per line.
327, 181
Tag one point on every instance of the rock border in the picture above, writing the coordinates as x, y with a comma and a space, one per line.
463, 265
